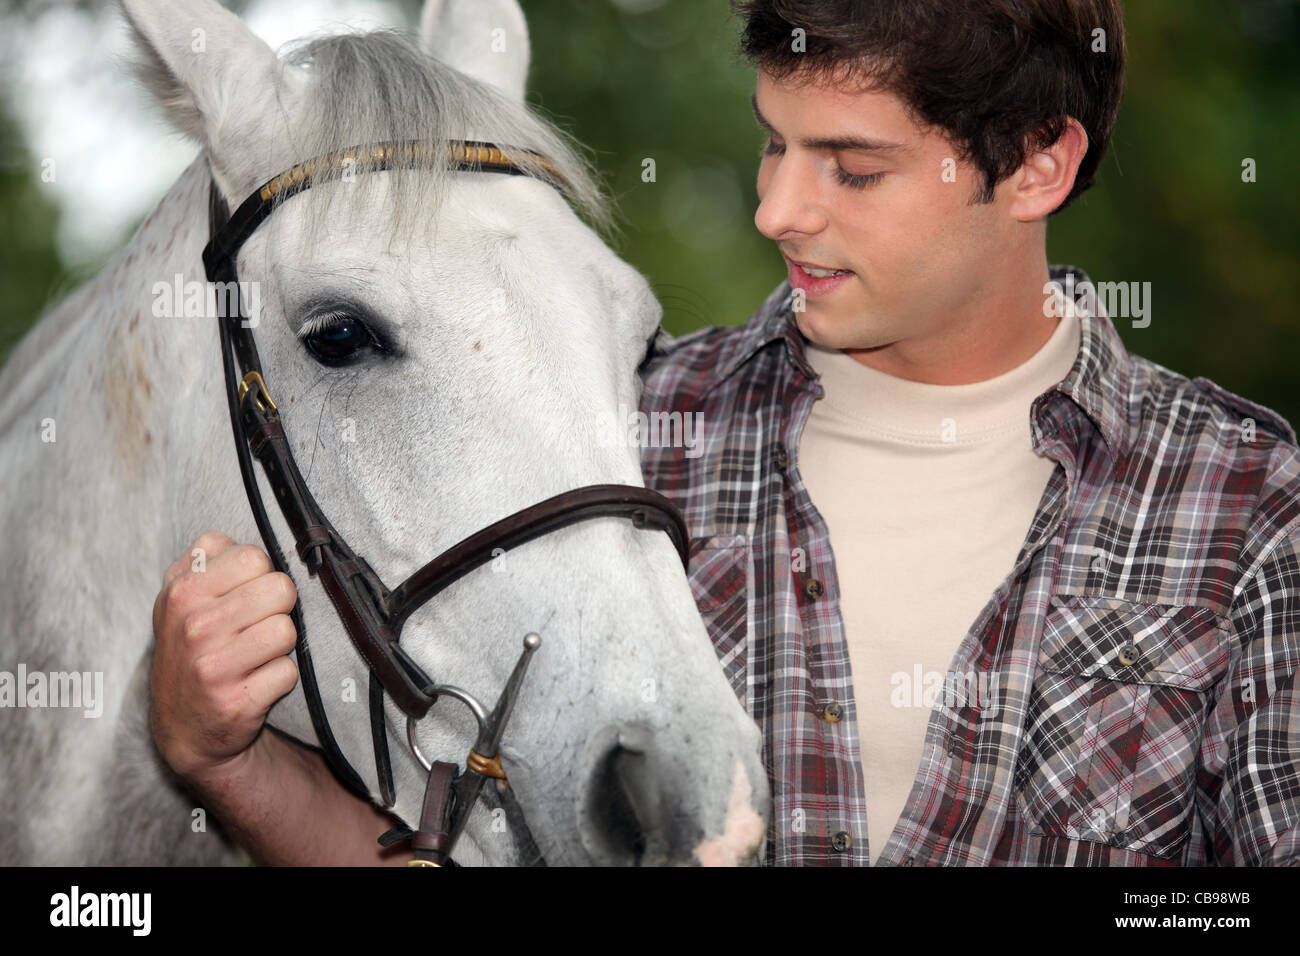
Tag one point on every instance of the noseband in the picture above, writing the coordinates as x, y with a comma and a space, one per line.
371, 613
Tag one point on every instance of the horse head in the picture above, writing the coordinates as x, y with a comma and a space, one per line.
447, 348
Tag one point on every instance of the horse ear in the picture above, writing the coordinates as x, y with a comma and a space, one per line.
486, 39
200, 62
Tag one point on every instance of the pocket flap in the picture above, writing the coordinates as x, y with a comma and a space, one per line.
1170, 644
718, 567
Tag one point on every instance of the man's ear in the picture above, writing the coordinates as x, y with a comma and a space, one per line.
1047, 175
486, 39
212, 75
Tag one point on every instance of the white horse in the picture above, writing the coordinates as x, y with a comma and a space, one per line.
505, 337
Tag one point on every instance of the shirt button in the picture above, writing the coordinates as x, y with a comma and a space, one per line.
813, 588
1128, 654
841, 842
780, 457
833, 712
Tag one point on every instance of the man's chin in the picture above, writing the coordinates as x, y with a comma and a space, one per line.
845, 331
824, 326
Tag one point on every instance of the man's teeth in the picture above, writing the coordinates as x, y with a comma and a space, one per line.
823, 273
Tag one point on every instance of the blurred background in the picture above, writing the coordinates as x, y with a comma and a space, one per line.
1211, 83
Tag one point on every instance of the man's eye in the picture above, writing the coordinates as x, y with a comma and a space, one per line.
855, 181
336, 337
773, 148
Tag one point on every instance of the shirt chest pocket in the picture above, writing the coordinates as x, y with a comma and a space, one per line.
1115, 721
719, 575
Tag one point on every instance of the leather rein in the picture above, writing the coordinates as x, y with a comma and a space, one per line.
373, 614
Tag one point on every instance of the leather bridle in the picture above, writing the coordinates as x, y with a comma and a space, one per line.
371, 613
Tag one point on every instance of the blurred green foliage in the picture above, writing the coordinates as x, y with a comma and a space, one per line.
666, 85
1210, 83
30, 272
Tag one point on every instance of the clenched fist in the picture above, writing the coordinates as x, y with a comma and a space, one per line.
222, 635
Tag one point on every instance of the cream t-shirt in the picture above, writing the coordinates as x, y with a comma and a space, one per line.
928, 492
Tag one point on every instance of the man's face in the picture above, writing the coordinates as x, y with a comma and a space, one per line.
849, 182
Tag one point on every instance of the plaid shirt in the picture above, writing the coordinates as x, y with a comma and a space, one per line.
1144, 648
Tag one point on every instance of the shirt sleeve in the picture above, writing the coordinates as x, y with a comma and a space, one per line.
1248, 781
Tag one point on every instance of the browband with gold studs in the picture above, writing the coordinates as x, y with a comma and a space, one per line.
466, 155
476, 157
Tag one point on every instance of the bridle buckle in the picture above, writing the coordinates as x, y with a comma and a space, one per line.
265, 403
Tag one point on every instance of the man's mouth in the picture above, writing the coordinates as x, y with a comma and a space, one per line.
816, 279
820, 272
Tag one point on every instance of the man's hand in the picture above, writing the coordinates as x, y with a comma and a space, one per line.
222, 635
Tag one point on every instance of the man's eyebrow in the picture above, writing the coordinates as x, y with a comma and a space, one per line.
828, 142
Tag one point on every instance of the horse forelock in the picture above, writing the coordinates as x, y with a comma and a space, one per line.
355, 89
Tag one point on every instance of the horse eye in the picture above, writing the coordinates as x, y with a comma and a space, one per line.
333, 339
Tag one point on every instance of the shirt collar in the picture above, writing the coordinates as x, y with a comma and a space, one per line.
1097, 383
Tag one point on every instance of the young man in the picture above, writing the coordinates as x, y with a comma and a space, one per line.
996, 591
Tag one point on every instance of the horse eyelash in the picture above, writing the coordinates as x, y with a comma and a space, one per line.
319, 323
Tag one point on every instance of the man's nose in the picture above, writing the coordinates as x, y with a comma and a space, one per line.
789, 205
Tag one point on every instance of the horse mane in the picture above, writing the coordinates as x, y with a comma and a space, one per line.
379, 86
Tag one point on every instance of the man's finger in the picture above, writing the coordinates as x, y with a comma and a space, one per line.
264, 641
270, 682
251, 602
209, 545
235, 567
225, 573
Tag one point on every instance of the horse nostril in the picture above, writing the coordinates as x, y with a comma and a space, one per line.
628, 818
619, 805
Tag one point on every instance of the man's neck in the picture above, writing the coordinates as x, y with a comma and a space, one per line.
997, 334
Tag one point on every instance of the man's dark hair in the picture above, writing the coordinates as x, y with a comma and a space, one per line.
999, 77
